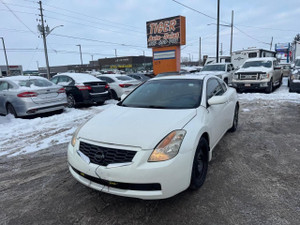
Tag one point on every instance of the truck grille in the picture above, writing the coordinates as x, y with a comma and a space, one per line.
103, 156
249, 76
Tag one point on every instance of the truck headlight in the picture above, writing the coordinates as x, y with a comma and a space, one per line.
264, 76
236, 76
168, 147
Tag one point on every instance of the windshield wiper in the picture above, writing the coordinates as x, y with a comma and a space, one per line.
155, 107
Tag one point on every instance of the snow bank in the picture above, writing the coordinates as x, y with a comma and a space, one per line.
20, 136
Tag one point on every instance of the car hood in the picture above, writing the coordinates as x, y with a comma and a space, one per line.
212, 73
254, 69
138, 127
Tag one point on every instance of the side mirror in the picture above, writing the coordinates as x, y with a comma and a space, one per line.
216, 100
123, 96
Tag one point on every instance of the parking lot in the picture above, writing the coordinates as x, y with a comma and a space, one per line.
253, 177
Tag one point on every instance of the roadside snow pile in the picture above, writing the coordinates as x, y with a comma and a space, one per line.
280, 94
20, 136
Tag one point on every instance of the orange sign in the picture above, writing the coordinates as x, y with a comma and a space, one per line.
166, 32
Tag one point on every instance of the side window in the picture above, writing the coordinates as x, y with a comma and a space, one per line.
3, 86
223, 85
54, 80
107, 79
213, 88
64, 80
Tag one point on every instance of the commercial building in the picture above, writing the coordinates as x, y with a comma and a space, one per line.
13, 70
127, 64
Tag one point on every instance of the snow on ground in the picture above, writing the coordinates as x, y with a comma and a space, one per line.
20, 136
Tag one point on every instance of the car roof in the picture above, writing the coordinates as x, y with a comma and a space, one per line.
261, 59
20, 77
225, 63
80, 77
191, 77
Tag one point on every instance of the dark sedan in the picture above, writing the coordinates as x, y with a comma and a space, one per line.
83, 88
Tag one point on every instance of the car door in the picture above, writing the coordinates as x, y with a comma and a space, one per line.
277, 71
3, 96
217, 121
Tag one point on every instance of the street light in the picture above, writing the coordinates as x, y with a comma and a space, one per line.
4, 49
80, 53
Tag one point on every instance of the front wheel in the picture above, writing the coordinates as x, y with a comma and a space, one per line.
200, 165
235, 119
270, 87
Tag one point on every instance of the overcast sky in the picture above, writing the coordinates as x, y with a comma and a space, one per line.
101, 26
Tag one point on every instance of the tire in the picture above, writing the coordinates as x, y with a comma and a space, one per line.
11, 110
238, 90
114, 95
270, 87
235, 119
71, 101
200, 165
100, 103
280, 82
226, 81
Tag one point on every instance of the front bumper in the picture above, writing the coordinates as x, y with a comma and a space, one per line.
250, 84
139, 179
294, 85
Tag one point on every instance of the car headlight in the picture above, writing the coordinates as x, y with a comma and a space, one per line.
74, 137
168, 147
264, 76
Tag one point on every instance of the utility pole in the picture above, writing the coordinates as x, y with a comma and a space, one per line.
271, 44
92, 57
231, 36
37, 65
6, 60
199, 51
218, 30
44, 39
116, 53
80, 52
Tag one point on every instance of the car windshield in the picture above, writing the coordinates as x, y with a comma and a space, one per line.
34, 82
166, 94
123, 78
267, 64
297, 62
214, 68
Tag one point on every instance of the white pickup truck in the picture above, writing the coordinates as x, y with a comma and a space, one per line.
258, 73
222, 70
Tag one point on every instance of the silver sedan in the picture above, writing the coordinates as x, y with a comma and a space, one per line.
30, 95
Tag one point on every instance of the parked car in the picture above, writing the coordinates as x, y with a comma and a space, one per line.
157, 141
119, 84
30, 95
139, 76
286, 69
222, 70
83, 88
294, 78
258, 73
181, 72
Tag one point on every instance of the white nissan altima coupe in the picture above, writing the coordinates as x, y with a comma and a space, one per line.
157, 141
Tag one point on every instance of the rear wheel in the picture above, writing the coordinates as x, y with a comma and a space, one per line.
114, 95
71, 101
200, 165
11, 110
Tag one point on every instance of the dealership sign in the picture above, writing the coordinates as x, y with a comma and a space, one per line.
166, 32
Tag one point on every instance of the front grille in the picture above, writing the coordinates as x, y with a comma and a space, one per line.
104, 156
250, 76
125, 186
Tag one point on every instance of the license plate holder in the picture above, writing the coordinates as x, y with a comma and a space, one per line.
247, 85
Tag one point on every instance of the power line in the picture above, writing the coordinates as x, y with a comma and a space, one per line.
81, 19
6, 10
18, 5
195, 10
17, 17
251, 36
267, 28
94, 40
89, 16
